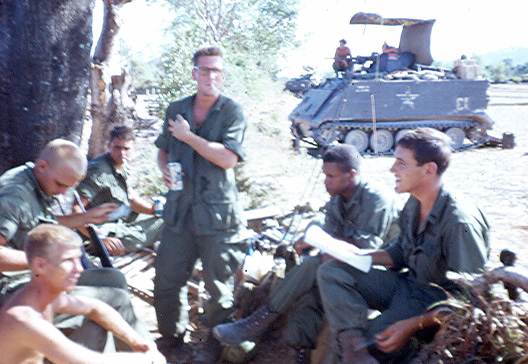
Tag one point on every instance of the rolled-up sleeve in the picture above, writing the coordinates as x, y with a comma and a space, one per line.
10, 216
88, 187
162, 141
235, 131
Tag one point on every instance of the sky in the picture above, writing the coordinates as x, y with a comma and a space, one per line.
469, 27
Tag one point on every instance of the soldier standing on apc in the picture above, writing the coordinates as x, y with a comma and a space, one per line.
204, 133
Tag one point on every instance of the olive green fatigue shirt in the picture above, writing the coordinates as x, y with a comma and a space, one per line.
369, 218
453, 237
209, 192
23, 205
104, 183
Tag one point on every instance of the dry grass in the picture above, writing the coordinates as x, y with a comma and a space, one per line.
480, 330
274, 175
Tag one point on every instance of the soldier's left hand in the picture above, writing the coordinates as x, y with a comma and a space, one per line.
395, 336
114, 246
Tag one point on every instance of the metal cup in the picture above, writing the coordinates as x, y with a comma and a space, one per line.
176, 176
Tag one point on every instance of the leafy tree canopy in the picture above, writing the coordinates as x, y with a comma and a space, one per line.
253, 34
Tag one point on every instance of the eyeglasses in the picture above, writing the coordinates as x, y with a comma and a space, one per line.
205, 71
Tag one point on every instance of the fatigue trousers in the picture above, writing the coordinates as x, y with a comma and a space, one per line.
347, 294
175, 261
298, 295
136, 233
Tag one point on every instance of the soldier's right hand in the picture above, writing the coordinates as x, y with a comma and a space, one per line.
167, 179
300, 245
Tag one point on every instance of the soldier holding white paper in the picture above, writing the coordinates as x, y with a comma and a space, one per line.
359, 212
440, 231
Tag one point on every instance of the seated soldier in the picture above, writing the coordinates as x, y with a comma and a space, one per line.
26, 196
107, 181
441, 231
359, 212
389, 49
342, 57
391, 59
27, 334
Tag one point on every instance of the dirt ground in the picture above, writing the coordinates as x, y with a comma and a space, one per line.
496, 178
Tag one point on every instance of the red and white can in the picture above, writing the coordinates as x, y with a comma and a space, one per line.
176, 176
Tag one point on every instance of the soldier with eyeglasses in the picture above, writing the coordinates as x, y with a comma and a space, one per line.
204, 134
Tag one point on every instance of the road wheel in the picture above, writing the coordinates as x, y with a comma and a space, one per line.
457, 136
399, 134
357, 138
381, 141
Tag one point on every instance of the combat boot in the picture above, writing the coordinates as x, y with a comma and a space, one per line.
250, 328
353, 348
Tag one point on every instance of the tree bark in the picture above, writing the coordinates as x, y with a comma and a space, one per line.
109, 92
44, 72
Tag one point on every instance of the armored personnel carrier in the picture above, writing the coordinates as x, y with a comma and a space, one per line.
383, 95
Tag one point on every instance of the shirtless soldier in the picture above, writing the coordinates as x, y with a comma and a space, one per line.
27, 334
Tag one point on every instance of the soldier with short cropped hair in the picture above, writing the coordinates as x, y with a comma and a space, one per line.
203, 133
27, 334
441, 231
107, 180
26, 196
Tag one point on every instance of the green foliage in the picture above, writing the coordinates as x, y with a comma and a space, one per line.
252, 33
146, 177
507, 71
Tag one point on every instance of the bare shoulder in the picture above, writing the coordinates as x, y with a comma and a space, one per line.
19, 314
17, 332
75, 305
26, 335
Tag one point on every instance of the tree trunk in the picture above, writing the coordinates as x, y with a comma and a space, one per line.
109, 92
44, 72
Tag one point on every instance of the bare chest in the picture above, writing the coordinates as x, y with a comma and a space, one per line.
199, 115
12, 352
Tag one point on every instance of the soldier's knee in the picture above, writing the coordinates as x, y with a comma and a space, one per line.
328, 271
104, 277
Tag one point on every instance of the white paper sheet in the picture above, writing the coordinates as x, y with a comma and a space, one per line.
318, 238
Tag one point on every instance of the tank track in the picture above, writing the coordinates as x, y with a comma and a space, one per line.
331, 131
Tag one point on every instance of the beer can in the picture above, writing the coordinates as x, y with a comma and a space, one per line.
159, 202
176, 176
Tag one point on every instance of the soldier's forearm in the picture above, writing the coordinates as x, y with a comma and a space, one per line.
12, 259
111, 320
381, 257
141, 206
214, 152
163, 159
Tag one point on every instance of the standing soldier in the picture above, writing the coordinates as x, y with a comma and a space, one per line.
203, 135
